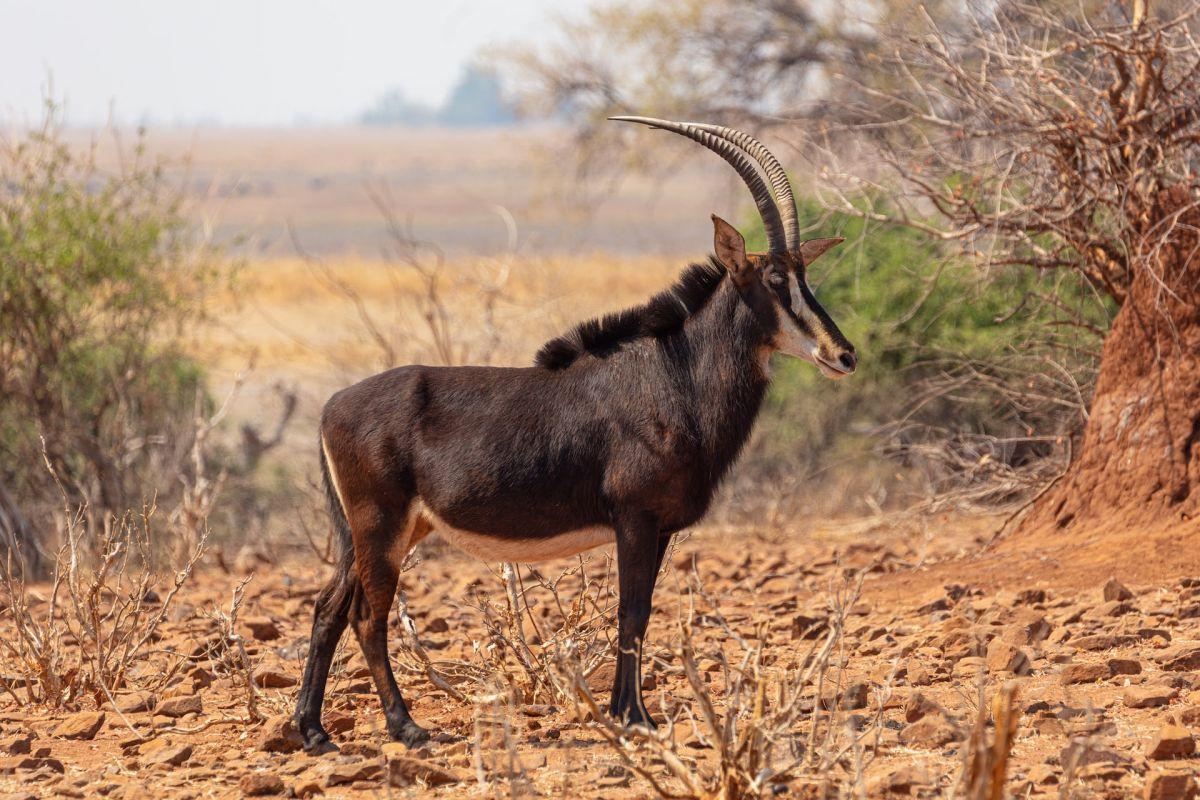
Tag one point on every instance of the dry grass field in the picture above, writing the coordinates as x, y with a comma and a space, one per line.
264, 191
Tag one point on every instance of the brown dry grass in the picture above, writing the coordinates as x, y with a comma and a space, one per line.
280, 316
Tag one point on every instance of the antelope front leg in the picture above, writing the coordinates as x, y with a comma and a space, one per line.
637, 567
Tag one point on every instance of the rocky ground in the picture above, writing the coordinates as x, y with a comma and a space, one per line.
1106, 671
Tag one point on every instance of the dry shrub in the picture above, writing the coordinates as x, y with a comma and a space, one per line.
530, 624
102, 614
769, 725
107, 599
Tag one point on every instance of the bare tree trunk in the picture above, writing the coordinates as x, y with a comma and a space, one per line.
1139, 461
16, 538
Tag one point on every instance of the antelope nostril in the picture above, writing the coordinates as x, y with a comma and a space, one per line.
848, 361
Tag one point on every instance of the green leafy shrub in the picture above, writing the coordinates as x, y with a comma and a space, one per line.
100, 276
955, 366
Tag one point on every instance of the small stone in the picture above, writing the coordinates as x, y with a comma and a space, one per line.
337, 723
30, 764
1113, 608
341, 774
437, 625
279, 735
1181, 657
1115, 590
262, 629
806, 627
1147, 696
918, 705
84, 725
1003, 656
1103, 641
1083, 673
272, 677
1124, 666
931, 732
259, 784
1163, 785
164, 751
406, 771
1030, 628
179, 706
1171, 741
905, 781
134, 702
16, 745
1031, 597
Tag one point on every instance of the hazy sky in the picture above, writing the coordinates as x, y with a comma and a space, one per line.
245, 62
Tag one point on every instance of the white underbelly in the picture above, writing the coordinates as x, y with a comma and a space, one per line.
495, 548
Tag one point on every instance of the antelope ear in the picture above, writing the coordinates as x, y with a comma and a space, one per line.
730, 248
812, 249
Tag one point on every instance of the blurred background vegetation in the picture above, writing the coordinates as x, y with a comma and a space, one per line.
474, 228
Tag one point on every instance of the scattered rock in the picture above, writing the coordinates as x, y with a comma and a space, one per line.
931, 732
164, 751
1181, 657
1124, 666
279, 735
1031, 597
1083, 673
16, 745
262, 629
405, 771
1171, 741
84, 725
340, 774
1003, 656
1029, 628
1103, 641
134, 702
1163, 785
1147, 696
436, 625
806, 627
918, 706
1115, 590
272, 677
259, 784
30, 764
308, 787
905, 781
337, 723
178, 706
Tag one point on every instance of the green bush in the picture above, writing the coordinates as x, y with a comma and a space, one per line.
100, 276
948, 355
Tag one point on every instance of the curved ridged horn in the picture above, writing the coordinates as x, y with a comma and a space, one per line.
784, 199
776, 241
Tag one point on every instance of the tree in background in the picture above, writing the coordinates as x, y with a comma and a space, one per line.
1054, 142
938, 332
477, 99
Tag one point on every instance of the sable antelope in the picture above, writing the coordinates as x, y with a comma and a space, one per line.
620, 432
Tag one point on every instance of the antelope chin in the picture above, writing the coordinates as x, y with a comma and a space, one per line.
831, 371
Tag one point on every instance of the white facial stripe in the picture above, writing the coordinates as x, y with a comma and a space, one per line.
792, 340
805, 312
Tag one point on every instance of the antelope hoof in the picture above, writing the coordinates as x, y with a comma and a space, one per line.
411, 734
317, 742
634, 714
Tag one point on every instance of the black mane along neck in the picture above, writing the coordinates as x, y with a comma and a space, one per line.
662, 314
